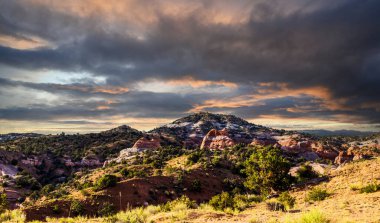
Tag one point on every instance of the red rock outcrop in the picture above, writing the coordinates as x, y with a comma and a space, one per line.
265, 142
215, 139
146, 143
343, 157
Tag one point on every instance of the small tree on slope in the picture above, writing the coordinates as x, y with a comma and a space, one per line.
267, 169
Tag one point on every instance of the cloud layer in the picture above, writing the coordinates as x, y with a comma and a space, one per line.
71, 61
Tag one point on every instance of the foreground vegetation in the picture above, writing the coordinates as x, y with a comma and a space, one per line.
259, 184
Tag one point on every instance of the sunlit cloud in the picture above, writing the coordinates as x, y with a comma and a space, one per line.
23, 43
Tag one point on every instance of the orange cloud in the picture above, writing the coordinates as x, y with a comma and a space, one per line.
277, 90
23, 43
142, 14
190, 81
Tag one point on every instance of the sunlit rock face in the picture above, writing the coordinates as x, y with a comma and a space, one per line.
146, 142
265, 142
215, 139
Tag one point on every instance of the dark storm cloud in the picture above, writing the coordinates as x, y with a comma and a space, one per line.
336, 46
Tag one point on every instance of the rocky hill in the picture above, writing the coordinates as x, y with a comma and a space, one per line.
190, 130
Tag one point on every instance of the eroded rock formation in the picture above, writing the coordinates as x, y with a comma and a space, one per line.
215, 139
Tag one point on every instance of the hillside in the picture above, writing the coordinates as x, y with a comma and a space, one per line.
344, 204
199, 156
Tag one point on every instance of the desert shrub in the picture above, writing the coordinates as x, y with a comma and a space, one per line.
275, 206
76, 207
305, 172
106, 181
47, 189
182, 202
317, 194
241, 202
355, 186
130, 173
56, 209
34, 196
196, 186
313, 216
3, 202
222, 201
233, 185
137, 215
85, 185
107, 209
267, 169
216, 161
27, 181
124, 172
370, 188
287, 200
194, 157
226, 201
12, 216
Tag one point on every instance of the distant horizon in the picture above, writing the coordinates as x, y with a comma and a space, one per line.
72, 131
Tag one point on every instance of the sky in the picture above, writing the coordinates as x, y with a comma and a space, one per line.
91, 65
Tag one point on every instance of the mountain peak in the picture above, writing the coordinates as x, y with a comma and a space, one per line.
211, 117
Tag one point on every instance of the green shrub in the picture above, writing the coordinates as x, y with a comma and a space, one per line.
56, 209
370, 188
130, 173
137, 215
241, 202
107, 209
287, 200
305, 172
3, 202
313, 216
355, 186
275, 206
27, 181
317, 194
233, 185
196, 186
182, 202
222, 201
226, 201
106, 181
47, 189
76, 208
194, 157
12, 216
216, 161
34, 196
267, 169
124, 172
